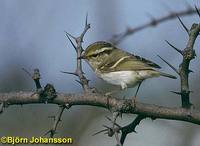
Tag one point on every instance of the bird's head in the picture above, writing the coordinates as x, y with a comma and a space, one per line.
97, 52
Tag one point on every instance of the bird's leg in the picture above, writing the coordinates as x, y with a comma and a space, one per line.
134, 98
115, 114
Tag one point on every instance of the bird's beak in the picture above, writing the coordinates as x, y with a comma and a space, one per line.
82, 56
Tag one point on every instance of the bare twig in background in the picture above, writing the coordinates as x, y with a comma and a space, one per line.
117, 38
57, 119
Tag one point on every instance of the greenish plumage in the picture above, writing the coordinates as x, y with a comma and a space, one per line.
119, 67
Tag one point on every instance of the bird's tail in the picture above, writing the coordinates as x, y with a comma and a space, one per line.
167, 75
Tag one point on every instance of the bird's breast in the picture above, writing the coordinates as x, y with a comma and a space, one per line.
130, 78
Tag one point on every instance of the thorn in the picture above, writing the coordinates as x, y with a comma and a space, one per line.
169, 64
71, 73
109, 119
183, 24
99, 132
68, 36
190, 91
47, 132
28, 73
178, 50
1, 107
153, 20
106, 126
197, 11
175, 92
52, 117
190, 71
112, 121
87, 26
86, 19
79, 82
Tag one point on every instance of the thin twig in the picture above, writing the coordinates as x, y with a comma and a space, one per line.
117, 38
57, 119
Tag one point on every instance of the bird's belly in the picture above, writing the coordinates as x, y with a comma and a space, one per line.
129, 78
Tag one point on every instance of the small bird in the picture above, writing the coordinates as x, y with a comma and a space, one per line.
119, 67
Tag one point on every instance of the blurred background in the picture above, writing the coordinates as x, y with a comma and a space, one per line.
32, 36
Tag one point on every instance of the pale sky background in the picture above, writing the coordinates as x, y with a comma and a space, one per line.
32, 36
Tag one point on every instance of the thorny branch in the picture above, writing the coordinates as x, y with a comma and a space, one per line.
188, 54
78, 48
125, 130
79, 73
131, 127
117, 38
99, 100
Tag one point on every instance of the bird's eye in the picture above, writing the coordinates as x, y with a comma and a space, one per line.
107, 52
94, 55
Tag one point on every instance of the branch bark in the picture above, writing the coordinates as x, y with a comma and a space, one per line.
188, 55
121, 105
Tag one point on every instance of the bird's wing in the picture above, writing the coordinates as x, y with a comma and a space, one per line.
124, 61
